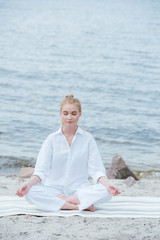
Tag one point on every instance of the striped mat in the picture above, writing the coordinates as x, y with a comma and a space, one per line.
119, 206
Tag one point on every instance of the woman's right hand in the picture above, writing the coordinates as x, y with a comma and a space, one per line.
23, 190
25, 187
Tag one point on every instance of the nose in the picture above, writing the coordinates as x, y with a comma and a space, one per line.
69, 116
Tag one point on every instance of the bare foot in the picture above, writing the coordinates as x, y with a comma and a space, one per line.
69, 206
62, 196
72, 199
91, 208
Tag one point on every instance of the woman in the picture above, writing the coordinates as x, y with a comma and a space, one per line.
66, 159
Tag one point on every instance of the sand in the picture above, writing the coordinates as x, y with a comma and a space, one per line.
52, 228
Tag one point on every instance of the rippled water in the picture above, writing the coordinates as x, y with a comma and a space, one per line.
106, 53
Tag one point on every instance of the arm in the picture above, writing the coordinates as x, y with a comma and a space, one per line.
42, 168
95, 165
44, 159
26, 186
110, 187
97, 169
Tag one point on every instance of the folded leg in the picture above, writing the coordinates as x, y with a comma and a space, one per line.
45, 198
91, 195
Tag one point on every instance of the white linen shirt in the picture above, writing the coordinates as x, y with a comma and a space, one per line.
61, 165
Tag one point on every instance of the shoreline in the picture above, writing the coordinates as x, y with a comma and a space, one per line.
13, 167
140, 174
143, 187
51, 228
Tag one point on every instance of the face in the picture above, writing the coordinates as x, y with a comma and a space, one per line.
70, 114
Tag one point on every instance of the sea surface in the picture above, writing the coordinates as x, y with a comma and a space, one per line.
105, 52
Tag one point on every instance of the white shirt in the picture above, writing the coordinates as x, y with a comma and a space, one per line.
61, 165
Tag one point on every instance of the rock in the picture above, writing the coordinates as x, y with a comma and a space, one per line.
119, 169
130, 181
26, 172
11, 176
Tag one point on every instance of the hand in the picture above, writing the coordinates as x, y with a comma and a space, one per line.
113, 189
23, 190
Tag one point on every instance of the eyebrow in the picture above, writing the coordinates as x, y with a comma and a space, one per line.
72, 111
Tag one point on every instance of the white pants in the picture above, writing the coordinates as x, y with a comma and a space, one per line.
46, 198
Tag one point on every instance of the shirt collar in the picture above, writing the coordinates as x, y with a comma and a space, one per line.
58, 131
79, 130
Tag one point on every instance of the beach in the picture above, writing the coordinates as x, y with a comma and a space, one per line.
76, 227
105, 53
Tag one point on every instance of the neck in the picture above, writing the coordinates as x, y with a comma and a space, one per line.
68, 130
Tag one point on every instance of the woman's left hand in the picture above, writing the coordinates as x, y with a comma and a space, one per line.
112, 189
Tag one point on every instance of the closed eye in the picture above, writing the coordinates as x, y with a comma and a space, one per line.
65, 113
74, 113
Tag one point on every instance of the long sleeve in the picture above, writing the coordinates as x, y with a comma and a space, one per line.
43, 163
96, 168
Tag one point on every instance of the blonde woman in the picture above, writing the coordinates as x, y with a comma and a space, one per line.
65, 161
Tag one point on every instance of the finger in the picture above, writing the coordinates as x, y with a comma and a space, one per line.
17, 192
118, 192
114, 193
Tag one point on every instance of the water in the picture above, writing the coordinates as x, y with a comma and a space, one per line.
105, 52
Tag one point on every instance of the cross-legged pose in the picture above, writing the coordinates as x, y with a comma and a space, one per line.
65, 161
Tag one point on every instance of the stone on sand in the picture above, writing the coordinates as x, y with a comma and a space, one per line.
26, 172
119, 169
130, 181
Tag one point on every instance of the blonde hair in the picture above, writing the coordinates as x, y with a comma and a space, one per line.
69, 98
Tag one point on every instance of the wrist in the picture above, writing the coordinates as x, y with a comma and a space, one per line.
104, 180
29, 184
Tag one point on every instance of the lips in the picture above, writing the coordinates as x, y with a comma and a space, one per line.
69, 121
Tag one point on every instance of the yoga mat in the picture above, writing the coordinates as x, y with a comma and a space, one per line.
120, 206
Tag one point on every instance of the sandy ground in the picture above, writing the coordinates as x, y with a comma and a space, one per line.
23, 227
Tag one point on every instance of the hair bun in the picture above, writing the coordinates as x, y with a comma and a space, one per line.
69, 96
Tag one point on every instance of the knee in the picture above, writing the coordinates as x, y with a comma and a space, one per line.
29, 194
104, 191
